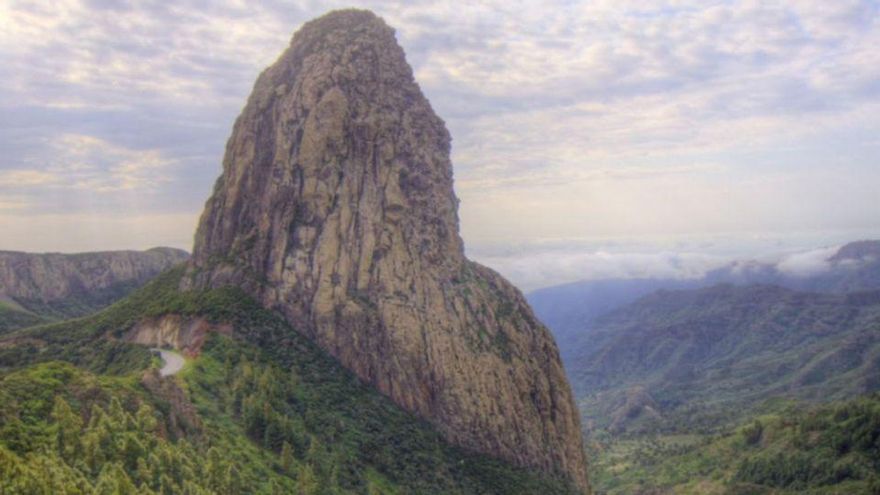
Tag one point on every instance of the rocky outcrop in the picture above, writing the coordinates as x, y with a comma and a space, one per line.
336, 208
185, 334
73, 284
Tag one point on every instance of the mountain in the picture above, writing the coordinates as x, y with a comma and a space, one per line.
570, 309
852, 267
719, 351
43, 287
336, 209
257, 408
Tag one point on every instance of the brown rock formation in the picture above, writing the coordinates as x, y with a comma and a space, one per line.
186, 334
39, 281
336, 208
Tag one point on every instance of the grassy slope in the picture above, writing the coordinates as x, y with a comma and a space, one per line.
271, 403
831, 449
13, 318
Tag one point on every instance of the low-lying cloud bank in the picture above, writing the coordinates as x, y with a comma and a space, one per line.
807, 264
540, 265
531, 271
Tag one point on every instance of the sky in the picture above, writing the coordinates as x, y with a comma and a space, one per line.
592, 139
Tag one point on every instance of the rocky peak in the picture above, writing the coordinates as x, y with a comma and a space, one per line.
336, 208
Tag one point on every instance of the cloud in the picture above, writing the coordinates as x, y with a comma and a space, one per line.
536, 270
542, 263
12, 204
25, 178
608, 118
91, 165
807, 264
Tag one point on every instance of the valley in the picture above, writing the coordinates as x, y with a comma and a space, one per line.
743, 387
327, 330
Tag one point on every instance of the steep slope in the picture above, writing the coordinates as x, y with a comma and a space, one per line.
54, 285
729, 347
258, 408
13, 316
336, 208
569, 310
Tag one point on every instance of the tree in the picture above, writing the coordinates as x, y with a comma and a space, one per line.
306, 482
286, 457
114, 481
68, 429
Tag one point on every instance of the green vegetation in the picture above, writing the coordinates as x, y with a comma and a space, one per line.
734, 390
263, 412
81, 303
12, 318
829, 449
709, 356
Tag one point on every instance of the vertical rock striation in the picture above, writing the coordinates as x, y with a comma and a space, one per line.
336, 208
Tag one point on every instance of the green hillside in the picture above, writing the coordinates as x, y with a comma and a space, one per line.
263, 411
12, 318
80, 303
685, 360
832, 449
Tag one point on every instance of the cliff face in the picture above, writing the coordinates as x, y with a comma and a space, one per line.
73, 284
336, 208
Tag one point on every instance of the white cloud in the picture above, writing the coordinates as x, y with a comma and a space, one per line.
530, 271
808, 263
603, 118
92, 165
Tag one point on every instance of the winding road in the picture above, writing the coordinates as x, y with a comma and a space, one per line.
172, 362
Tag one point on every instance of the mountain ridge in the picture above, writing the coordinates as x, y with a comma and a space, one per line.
570, 309
726, 343
50, 286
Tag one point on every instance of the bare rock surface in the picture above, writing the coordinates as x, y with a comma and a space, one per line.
336, 208
39, 281
184, 334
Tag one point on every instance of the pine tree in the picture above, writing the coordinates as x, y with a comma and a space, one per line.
287, 460
114, 481
306, 482
68, 429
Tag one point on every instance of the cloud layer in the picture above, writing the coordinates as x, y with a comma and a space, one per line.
602, 119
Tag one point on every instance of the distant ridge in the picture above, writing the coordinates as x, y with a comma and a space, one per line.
728, 346
571, 309
49, 286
